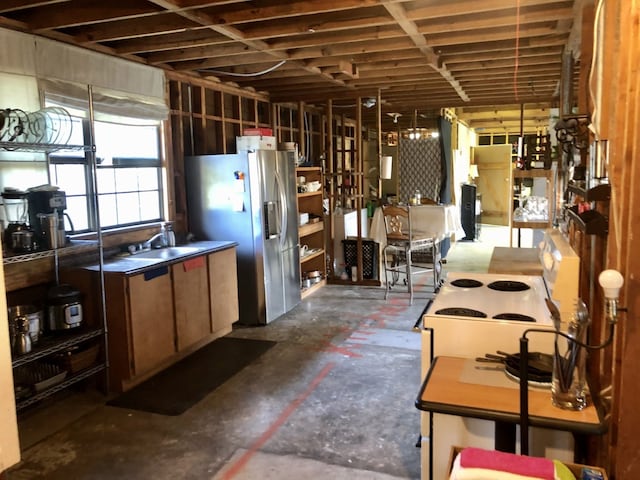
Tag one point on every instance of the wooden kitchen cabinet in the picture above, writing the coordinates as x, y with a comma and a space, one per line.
158, 316
191, 297
140, 325
150, 311
223, 295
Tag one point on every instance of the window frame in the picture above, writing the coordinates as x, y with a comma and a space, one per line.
92, 195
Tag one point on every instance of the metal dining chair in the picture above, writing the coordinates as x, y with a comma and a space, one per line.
403, 243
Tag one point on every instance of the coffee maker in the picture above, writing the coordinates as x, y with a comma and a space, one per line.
46, 216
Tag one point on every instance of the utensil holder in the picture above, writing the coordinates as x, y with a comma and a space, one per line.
569, 388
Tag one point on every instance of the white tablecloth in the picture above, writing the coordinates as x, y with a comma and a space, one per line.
437, 221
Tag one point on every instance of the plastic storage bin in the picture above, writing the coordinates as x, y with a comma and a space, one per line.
369, 257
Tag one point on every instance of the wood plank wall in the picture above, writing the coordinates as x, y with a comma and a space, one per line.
620, 124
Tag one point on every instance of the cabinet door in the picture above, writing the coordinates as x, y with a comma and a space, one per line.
223, 279
191, 296
151, 319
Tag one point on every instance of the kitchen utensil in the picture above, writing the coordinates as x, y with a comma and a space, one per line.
64, 309
539, 368
34, 316
48, 224
21, 339
22, 240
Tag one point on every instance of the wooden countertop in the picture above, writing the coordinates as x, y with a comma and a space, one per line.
446, 390
515, 261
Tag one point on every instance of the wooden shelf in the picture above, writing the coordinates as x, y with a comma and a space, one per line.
308, 291
311, 256
312, 234
540, 225
597, 193
532, 173
307, 169
310, 194
310, 228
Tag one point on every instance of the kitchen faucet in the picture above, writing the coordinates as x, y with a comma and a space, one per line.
162, 236
150, 243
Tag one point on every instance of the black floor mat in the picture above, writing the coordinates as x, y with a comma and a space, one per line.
176, 389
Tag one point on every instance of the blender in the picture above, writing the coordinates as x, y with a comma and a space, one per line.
17, 235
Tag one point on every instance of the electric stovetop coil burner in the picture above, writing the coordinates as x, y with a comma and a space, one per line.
461, 312
508, 286
466, 283
518, 317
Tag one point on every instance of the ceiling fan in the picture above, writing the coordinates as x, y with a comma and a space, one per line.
395, 116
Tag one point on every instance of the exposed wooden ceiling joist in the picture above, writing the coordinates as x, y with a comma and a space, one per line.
420, 54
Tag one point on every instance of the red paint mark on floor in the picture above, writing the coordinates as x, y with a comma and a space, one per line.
292, 407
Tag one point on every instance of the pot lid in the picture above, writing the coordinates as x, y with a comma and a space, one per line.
63, 291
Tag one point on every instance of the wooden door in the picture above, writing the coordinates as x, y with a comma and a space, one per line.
494, 182
223, 279
151, 317
191, 294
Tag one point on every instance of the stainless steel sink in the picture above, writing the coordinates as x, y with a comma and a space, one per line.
165, 253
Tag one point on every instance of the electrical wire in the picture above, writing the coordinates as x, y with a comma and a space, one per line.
592, 95
263, 72
515, 69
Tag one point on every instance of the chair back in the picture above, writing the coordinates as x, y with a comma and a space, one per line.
397, 223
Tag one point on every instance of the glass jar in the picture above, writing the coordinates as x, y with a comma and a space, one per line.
569, 389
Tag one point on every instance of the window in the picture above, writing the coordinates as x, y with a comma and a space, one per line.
128, 182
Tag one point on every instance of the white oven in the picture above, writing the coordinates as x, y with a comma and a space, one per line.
478, 313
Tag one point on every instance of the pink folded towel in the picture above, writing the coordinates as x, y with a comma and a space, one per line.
535, 467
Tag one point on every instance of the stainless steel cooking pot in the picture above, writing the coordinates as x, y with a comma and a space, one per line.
64, 310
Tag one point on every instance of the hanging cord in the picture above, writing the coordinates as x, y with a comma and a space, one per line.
592, 95
263, 72
515, 68
307, 146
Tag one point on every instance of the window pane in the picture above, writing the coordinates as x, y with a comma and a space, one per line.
77, 211
149, 205
108, 210
70, 178
125, 142
106, 180
128, 208
126, 179
148, 178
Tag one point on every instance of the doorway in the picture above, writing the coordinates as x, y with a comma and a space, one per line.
494, 182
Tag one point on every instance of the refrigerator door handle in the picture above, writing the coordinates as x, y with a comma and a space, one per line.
283, 210
270, 220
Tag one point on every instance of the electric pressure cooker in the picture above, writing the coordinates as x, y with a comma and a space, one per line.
64, 310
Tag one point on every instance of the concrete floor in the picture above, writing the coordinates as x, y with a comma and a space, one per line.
333, 399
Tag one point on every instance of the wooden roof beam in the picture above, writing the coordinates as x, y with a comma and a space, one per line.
398, 12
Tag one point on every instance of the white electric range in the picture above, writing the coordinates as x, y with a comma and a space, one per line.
478, 313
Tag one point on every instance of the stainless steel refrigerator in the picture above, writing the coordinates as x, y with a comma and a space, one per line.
250, 198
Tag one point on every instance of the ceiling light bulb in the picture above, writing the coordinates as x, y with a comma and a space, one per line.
611, 281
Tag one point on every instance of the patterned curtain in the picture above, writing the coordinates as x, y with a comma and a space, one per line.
420, 168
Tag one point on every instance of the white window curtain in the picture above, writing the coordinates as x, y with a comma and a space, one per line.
106, 103
119, 87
